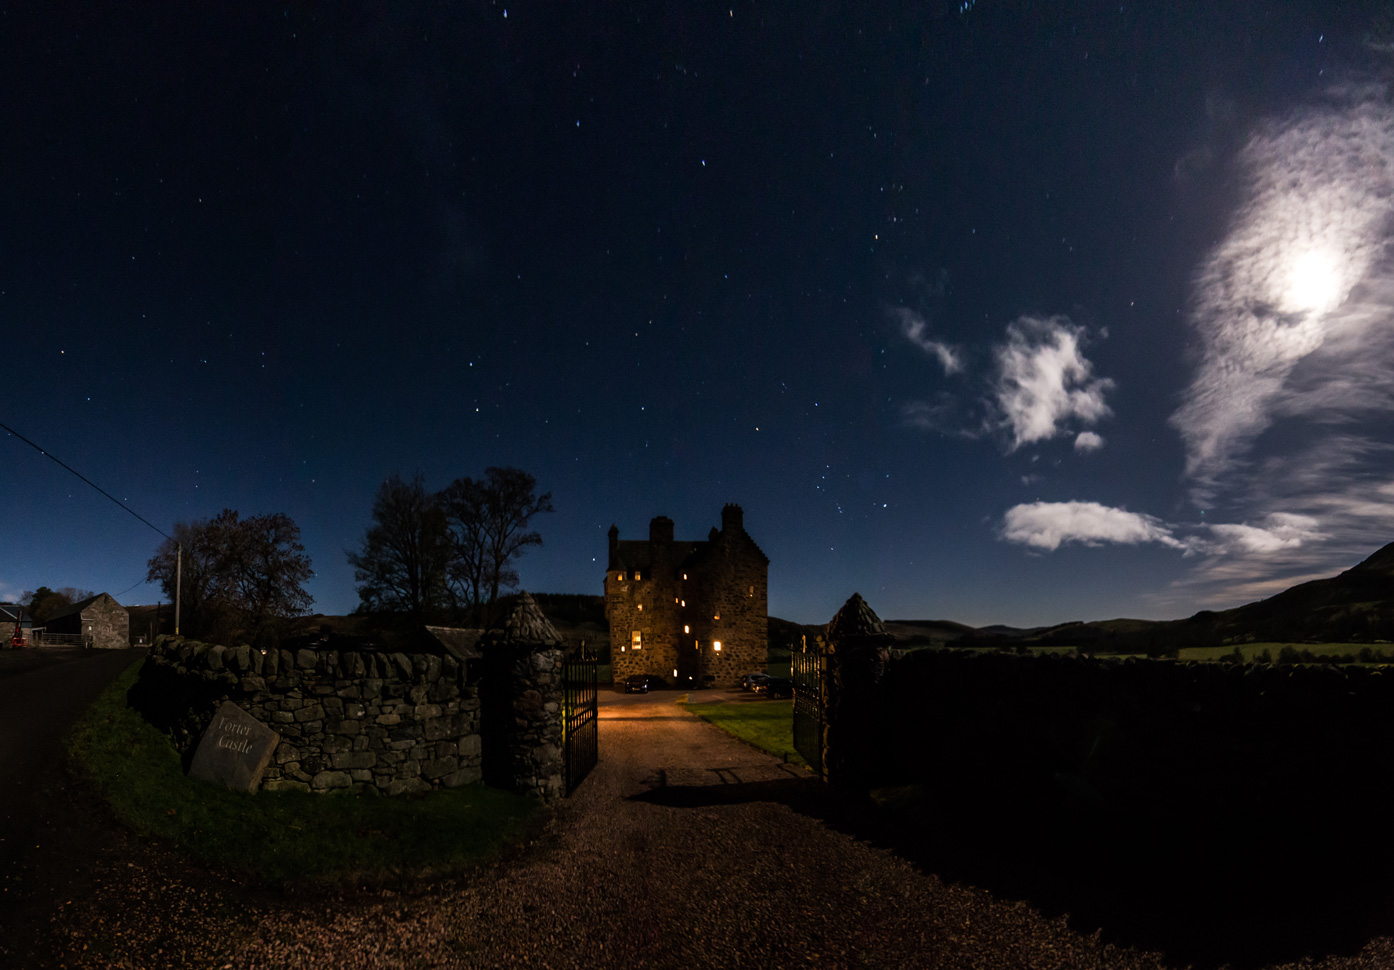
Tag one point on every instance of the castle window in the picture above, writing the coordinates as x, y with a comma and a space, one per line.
675, 599
684, 575
637, 577
684, 602
752, 591
717, 616
641, 607
686, 628
716, 645
636, 640
620, 575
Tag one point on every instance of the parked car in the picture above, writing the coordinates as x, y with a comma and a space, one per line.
778, 687
640, 683
749, 681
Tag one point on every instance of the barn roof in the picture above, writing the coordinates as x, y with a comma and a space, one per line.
79, 606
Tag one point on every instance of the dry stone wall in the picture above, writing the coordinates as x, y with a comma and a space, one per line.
356, 720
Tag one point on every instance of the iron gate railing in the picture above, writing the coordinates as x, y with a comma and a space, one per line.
580, 720
806, 670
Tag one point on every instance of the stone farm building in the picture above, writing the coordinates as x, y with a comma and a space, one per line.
690, 613
100, 620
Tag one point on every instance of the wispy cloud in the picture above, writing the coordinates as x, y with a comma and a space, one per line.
1300, 278
1048, 525
1044, 382
914, 328
1087, 441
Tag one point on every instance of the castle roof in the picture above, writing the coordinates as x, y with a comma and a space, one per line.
637, 553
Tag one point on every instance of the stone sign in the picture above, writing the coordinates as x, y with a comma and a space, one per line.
235, 750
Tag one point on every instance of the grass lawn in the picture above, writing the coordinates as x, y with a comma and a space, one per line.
768, 725
286, 837
1385, 651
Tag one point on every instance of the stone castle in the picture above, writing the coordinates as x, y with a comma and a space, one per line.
690, 613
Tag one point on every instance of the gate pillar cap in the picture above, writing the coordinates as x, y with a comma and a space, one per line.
856, 619
527, 625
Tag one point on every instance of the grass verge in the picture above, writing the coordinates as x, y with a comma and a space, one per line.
286, 838
768, 725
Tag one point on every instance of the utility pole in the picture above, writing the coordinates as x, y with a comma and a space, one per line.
178, 581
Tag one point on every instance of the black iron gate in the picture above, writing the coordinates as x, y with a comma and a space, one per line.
579, 720
806, 670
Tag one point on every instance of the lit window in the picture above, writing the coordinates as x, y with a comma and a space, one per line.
675, 671
636, 640
620, 576
683, 603
637, 577
686, 628
752, 591
684, 575
716, 645
717, 616
675, 599
641, 607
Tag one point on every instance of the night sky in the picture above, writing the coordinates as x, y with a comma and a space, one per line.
995, 312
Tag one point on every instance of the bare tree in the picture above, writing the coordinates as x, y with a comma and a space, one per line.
240, 576
401, 566
488, 524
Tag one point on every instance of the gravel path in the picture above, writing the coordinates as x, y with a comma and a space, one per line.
685, 848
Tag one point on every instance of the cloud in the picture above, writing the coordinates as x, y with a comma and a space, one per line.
1282, 531
1285, 304
1047, 525
944, 414
914, 329
1044, 381
1087, 441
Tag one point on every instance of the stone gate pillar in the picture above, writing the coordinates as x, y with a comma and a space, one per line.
521, 694
856, 649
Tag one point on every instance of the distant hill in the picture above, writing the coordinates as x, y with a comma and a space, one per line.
1354, 606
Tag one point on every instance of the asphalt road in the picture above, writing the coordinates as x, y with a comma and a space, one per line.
42, 692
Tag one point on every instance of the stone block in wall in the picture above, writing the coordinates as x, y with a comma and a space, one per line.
251, 683
242, 658
330, 779
348, 726
404, 786
433, 668
470, 746
371, 688
438, 768
403, 665
422, 712
311, 712
442, 727
464, 776
305, 659
353, 759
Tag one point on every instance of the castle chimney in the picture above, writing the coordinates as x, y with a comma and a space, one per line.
614, 545
732, 518
661, 529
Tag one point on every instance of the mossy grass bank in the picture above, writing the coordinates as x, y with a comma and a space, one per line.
767, 725
287, 838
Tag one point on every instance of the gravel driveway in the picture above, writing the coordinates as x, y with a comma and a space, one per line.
684, 848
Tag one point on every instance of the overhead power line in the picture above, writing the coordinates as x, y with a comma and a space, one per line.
67, 467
